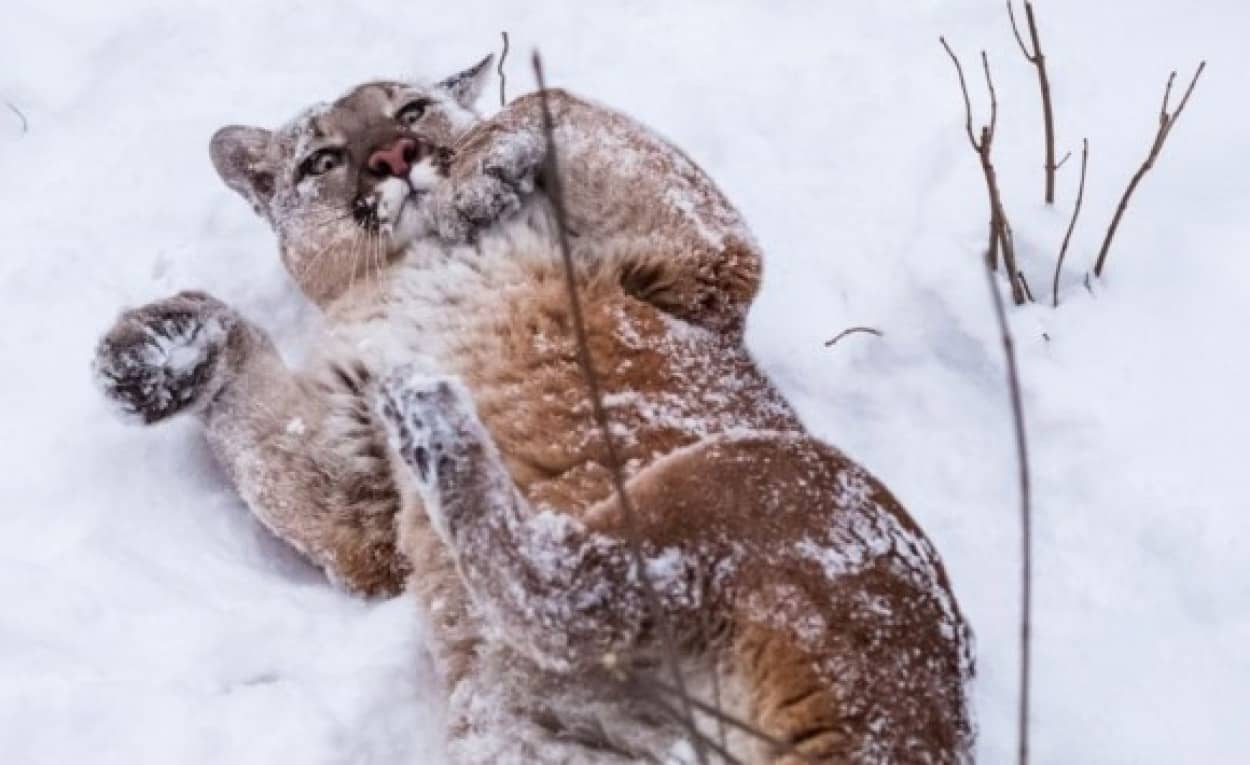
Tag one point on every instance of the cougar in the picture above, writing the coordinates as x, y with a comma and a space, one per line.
442, 440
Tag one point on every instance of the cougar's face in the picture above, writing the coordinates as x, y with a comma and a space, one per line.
342, 183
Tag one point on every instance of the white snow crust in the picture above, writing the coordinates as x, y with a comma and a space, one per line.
145, 617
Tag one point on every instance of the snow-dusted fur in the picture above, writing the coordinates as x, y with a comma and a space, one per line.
445, 416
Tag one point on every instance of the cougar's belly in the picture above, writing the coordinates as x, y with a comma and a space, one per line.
665, 384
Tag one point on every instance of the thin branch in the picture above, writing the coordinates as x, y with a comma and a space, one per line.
719, 749
851, 331
1024, 285
963, 88
1166, 123
720, 723
1076, 212
503, 78
1026, 519
989, 83
1063, 161
649, 688
20, 116
1167, 93
1011, 13
629, 518
1038, 59
1000, 237
778, 746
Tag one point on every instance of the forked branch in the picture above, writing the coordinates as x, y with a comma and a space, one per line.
1167, 120
1000, 237
1037, 58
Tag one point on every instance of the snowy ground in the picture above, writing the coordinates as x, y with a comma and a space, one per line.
147, 619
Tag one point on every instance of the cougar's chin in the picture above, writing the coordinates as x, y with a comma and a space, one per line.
400, 202
409, 225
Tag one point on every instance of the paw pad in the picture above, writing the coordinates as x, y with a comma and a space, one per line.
429, 420
159, 359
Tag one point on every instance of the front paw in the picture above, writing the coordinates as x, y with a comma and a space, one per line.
466, 208
162, 358
493, 189
433, 426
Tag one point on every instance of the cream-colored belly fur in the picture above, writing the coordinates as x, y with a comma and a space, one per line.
496, 314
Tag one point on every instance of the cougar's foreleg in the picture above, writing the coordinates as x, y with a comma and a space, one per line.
561, 593
305, 454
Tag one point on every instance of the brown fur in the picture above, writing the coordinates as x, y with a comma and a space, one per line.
695, 259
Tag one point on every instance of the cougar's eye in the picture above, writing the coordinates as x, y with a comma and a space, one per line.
412, 111
321, 161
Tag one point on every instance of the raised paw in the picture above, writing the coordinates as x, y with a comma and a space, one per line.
433, 427
162, 358
465, 208
483, 191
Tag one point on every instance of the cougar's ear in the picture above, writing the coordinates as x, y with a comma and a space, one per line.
466, 86
239, 154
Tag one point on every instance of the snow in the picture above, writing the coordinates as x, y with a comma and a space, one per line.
148, 618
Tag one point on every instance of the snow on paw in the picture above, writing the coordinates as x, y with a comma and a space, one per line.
464, 208
162, 358
433, 427
494, 190
516, 159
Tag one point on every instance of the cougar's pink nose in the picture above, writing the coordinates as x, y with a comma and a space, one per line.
395, 159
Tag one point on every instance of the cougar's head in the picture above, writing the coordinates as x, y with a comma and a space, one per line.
341, 183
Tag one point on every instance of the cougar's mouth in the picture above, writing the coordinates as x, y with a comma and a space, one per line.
393, 206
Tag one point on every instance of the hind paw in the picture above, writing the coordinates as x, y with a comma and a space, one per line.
162, 358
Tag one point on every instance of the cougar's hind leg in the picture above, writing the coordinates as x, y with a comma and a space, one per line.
852, 674
844, 641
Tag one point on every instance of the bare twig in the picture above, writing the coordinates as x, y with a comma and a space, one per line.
1067, 156
1026, 518
1024, 285
653, 690
778, 746
1166, 123
851, 331
1000, 230
503, 78
720, 722
963, 88
555, 191
1011, 13
719, 749
1038, 60
20, 116
1076, 212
